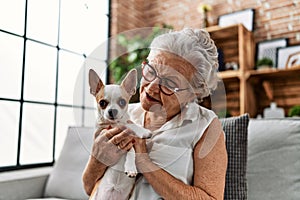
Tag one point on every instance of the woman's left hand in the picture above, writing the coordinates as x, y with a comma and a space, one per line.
140, 145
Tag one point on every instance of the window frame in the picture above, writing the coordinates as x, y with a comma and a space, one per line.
55, 104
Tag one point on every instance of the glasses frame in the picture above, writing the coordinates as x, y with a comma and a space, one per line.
173, 90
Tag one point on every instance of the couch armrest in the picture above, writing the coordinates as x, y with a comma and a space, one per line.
22, 184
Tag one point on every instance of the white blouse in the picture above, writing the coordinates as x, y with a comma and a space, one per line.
173, 145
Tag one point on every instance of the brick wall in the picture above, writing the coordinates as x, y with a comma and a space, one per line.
273, 18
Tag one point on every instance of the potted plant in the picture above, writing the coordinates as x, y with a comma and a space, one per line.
294, 111
264, 63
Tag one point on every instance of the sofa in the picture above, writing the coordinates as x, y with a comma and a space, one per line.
263, 155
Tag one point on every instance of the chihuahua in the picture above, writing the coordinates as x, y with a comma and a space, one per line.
112, 103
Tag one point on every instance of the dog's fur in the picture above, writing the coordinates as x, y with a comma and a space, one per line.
112, 101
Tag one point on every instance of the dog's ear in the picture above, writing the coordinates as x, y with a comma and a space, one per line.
95, 82
130, 81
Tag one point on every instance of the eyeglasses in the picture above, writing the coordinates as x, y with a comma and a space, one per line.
167, 86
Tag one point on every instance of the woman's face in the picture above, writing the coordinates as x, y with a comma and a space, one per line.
179, 72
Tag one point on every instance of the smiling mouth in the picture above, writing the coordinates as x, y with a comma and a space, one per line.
150, 98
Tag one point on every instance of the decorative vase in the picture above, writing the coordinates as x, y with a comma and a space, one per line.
205, 23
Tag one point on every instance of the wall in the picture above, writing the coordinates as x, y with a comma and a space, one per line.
273, 18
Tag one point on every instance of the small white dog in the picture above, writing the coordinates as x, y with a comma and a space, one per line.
112, 102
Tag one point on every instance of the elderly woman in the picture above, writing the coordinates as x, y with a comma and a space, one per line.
186, 157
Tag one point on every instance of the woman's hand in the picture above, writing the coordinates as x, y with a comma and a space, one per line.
110, 144
142, 158
140, 146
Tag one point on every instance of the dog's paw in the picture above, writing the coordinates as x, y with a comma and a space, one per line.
131, 174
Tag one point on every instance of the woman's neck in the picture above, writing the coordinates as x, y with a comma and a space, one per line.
154, 120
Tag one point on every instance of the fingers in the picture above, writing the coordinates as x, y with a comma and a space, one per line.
111, 133
127, 147
120, 137
124, 144
142, 145
97, 133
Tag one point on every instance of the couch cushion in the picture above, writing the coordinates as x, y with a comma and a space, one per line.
65, 181
235, 129
274, 159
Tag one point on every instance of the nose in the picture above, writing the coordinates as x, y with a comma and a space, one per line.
113, 113
154, 86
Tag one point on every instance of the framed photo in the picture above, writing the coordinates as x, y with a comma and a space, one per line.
288, 57
268, 49
293, 60
245, 17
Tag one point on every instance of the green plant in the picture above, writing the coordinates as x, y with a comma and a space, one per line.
264, 62
294, 111
224, 114
136, 52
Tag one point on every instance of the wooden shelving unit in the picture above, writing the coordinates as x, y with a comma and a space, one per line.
249, 90
279, 85
237, 45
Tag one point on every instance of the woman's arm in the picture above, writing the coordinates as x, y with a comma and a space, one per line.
94, 169
210, 163
93, 172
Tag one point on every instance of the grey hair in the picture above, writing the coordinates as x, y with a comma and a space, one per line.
196, 47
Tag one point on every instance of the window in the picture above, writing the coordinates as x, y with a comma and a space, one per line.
46, 49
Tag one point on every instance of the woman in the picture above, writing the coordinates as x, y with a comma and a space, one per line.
186, 157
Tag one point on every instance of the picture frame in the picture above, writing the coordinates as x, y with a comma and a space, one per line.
268, 49
245, 17
288, 57
293, 60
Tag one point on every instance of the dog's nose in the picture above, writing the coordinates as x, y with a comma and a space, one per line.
112, 113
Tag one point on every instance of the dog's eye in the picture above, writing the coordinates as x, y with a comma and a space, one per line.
122, 103
103, 103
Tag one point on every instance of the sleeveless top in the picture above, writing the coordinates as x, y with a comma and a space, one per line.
173, 145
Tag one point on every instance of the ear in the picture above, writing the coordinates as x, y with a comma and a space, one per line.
130, 81
95, 82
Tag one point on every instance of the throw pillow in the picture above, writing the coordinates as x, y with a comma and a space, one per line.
236, 132
65, 181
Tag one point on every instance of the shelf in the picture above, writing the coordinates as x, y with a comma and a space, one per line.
274, 73
230, 74
276, 85
229, 29
247, 90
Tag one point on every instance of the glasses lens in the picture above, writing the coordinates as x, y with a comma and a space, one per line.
166, 90
168, 86
148, 72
